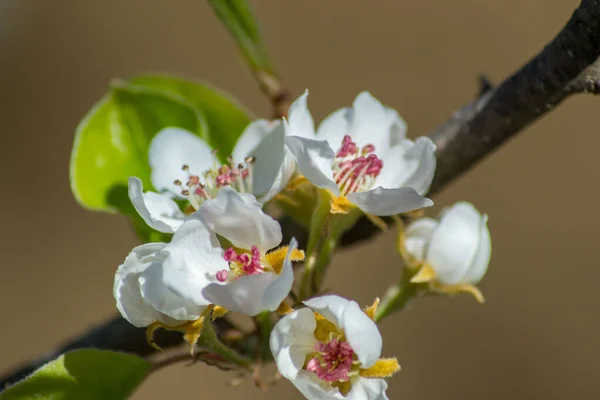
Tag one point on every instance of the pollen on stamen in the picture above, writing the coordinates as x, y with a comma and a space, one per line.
243, 263
354, 168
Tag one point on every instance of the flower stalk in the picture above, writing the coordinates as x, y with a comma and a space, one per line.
210, 340
317, 239
397, 297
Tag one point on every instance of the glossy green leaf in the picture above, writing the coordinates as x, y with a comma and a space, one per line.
111, 142
225, 116
82, 375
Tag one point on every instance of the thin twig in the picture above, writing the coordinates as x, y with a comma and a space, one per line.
567, 65
278, 95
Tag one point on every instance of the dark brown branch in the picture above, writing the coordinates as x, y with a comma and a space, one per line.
116, 334
567, 65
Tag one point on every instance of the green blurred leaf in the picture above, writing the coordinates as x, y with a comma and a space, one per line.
237, 17
111, 142
82, 375
225, 116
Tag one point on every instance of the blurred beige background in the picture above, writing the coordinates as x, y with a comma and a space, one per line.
537, 336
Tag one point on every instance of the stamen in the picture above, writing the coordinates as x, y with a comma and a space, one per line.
333, 362
354, 169
222, 275
243, 263
204, 185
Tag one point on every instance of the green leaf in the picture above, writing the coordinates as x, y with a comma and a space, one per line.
237, 17
225, 116
111, 142
82, 375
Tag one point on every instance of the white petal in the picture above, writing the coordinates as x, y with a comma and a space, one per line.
300, 122
156, 293
238, 217
372, 123
245, 295
268, 170
335, 127
126, 288
309, 385
368, 389
423, 154
292, 339
396, 167
252, 294
361, 332
481, 260
254, 133
314, 158
170, 149
454, 243
409, 165
418, 234
398, 128
193, 258
285, 173
384, 202
158, 211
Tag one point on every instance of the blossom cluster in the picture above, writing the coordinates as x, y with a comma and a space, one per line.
227, 254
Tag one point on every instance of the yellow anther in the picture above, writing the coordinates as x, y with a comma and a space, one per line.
425, 274
370, 310
383, 368
276, 257
192, 331
340, 204
219, 312
284, 309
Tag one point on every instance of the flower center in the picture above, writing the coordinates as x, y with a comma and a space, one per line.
333, 361
354, 168
206, 185
241, 264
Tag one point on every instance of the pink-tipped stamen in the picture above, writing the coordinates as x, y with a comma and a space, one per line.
222, 275
354, 168
334, 361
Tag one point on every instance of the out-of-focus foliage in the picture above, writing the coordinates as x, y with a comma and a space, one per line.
112, 140
82, 375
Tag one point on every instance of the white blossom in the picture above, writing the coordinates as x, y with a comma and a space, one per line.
183, 166
245, 277
362, 156
331, 350
141, 296
454, 251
